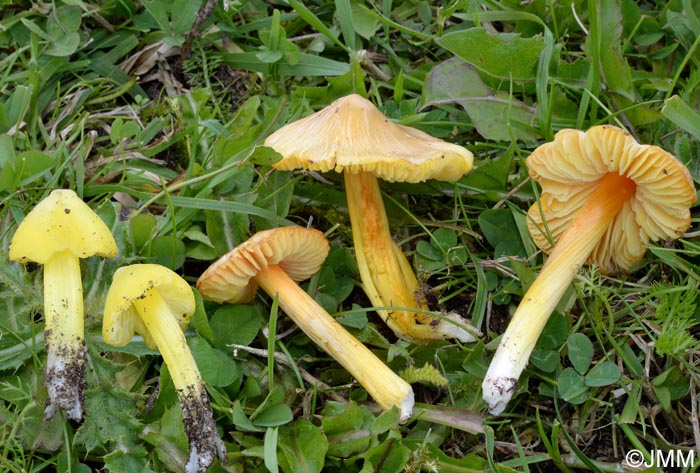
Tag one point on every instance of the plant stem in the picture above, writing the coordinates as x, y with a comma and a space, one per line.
571, 251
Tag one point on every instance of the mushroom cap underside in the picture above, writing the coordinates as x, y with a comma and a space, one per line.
131, 283
61, 222
299, 251
352, 135
570, 167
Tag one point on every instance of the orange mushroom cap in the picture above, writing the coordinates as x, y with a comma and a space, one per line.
570, 168
300, 252
351, 134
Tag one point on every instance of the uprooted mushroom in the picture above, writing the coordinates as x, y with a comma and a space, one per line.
274, 260
604, 198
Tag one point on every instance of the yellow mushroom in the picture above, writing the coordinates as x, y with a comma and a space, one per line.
274, 260
156, 303
604, 198
353, 137
56, 233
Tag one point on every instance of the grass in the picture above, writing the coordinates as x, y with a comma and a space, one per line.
152, 111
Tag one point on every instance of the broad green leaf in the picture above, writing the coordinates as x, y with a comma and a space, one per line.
110, 421
169, 438
488, 179
604, 373
614, 68
364, 24
62, 26
386, 421
168, 251
142, 228
505, 56
391, 454
216, 367
270, 450
500, 230
545, 360
173, 17
501, 117
347, 432
13, 111
64, 45
241, 421
426, 250
571, 387
580, 352
135, 459
264, 155
683, 115
675, 381
301, 448
37, 432
496, 115
353, 319
235, 324
26, 168
555, 332
226, 230
273, 416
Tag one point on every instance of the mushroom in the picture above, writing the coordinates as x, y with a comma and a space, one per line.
274, 260
156, 303
56, 233
352, 136
604, 197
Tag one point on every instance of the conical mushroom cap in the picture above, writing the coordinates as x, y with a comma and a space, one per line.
569, 169
62, 221
352, 135
300, 252
129, 284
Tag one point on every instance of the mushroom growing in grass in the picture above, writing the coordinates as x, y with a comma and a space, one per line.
156, 303
56, 233
274, 260
352, 136
604, 198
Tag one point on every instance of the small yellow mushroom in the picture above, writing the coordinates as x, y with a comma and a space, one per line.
56, 233
155, 302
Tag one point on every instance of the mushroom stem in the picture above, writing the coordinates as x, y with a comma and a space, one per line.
64, 335
571, 251
197, 415
386, 274
385, 386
